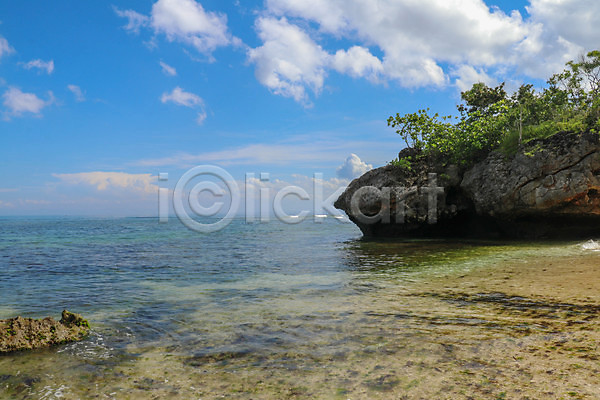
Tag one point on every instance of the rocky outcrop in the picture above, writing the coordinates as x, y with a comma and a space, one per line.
20, 333
549, 188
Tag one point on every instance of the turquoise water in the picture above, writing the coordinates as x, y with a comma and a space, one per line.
271, 300
141, 270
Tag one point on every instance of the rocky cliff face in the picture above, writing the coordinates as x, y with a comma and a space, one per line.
549, 188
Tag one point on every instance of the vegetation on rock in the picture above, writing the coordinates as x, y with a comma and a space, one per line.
490, 119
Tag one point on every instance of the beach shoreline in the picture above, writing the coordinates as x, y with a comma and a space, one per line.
176, 315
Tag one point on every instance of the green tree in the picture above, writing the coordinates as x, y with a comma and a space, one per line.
480, 97
489, 119
416, 128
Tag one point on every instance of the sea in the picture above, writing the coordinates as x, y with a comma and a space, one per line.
262, 310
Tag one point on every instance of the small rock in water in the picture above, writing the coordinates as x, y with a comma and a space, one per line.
20, 333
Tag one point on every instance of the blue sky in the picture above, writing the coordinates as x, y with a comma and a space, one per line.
98, 98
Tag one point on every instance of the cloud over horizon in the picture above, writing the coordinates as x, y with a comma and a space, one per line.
301, 154
141, 183
353, 167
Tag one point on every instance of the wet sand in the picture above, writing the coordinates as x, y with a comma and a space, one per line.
521, 330
551, 349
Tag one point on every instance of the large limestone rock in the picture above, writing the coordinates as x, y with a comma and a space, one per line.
549, 188
20, 333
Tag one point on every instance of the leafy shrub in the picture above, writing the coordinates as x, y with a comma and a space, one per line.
490, 119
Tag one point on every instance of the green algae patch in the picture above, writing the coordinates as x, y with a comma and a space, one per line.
18, 334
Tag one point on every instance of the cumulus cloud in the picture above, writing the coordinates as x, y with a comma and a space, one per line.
77, 92
5, 48
289, 60
47, 66
167, 69
18, 103
358, 62
353, 167
575, 21
559, 31
468, 75
413, 43
186, 99
417, 43
184, 21
142, 183
416, 38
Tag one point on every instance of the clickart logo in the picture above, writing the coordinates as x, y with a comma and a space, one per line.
198, 187
225, 199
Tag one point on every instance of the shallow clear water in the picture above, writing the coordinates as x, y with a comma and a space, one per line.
180, 313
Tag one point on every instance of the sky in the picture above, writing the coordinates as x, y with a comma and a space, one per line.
99, 98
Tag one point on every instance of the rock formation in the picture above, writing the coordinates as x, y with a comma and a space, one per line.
26, 334
549, 188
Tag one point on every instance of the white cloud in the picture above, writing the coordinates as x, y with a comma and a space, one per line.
142, 183
18, 102
182, 98
184, 21
6, 204
358, 62
201, 117
76, 90
330, 14
167, 69
267, 154
5, 47
36, 202
353, 167
576, 21
41, 65
414, 43
559, 31
186, 99
414, 37
301, 152
417, 43
135, 19
289, 60
468, 75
